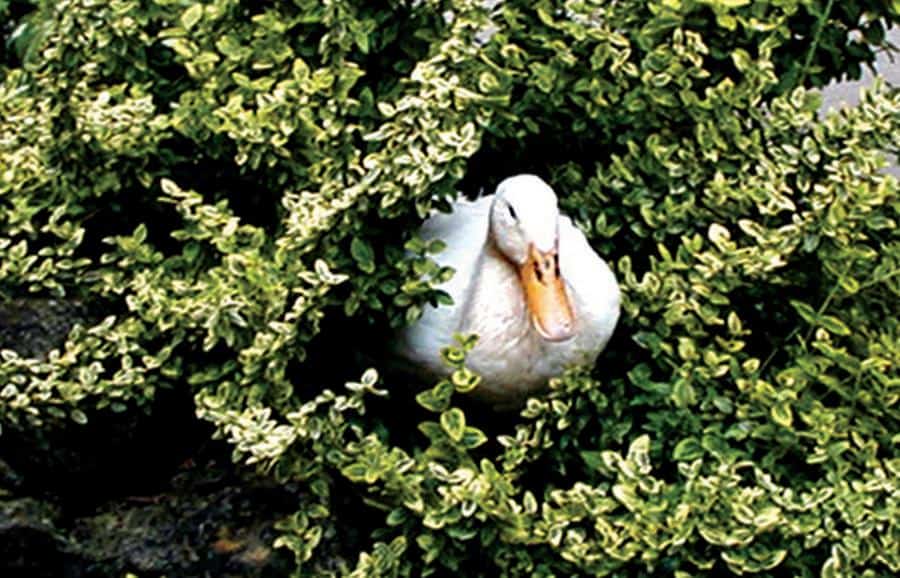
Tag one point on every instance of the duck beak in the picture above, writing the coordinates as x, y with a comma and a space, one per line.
545, 295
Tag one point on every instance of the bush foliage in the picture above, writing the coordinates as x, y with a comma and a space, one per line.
229, 182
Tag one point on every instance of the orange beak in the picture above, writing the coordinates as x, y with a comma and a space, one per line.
545, 295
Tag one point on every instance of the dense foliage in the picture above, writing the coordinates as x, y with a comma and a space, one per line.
234, 187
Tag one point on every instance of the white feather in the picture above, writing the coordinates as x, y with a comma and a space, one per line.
488, 299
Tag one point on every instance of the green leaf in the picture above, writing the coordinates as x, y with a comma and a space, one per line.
453, 356
782, 414
191, 16
397, 517
78, 416
593, 459
831, 568
465, 380
806, 312
683, 393
454, 423
362, 252
834, 325
412, 314
627, 496
355, 472
473, 438
432, 431
639, 453
719, 235
687, 450
730, 3
436, 399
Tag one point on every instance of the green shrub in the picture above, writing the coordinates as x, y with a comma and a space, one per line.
235, 181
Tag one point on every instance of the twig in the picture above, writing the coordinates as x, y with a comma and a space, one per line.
820, 25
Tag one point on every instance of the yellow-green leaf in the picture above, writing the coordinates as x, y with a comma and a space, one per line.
191, 16
782, 414
454, 423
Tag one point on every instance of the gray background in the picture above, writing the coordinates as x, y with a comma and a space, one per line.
843, 93
840, 94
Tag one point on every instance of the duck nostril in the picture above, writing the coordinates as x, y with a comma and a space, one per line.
538, 273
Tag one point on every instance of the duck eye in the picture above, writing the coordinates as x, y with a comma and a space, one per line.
512, 212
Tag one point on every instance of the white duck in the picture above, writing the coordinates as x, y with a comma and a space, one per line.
527, 282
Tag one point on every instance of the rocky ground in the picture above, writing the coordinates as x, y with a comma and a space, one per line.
204, 522
146, 495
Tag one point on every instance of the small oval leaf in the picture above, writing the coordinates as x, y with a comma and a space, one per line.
454, 423
782, 414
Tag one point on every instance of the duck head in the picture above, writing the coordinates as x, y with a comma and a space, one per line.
525, 228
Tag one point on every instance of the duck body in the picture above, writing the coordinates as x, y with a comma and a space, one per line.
523, 341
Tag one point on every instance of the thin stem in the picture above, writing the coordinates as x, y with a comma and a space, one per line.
877, 280
820, 25
796, 330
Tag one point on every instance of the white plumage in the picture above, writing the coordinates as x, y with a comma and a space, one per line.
496, 245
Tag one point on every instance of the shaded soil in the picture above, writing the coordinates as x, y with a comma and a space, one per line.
206, 521
143, 491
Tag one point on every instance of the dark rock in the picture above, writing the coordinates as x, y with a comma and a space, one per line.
30, 542
112, 455
32, 327
208, 521
10, 480
202, 527
116, 452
